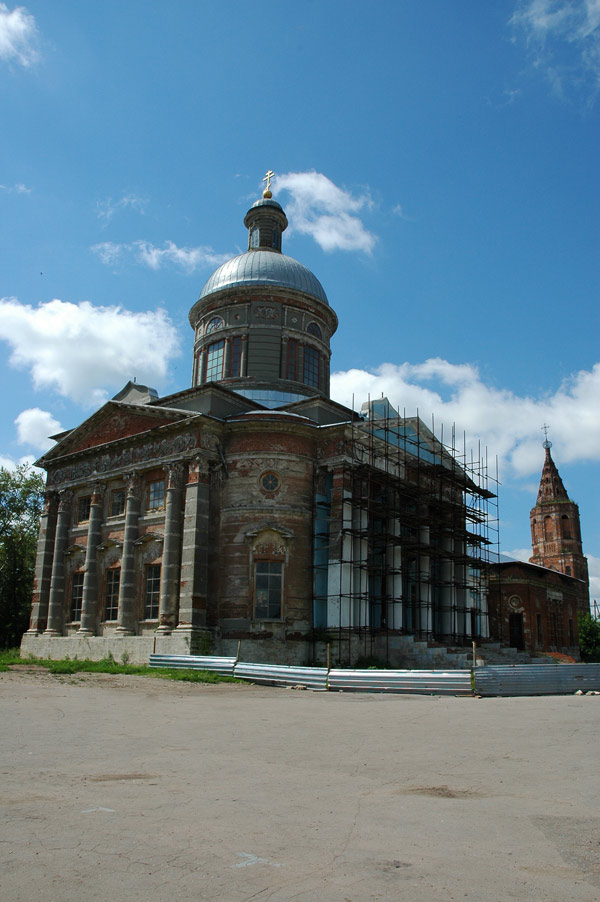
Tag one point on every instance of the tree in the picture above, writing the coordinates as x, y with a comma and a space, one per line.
589, 638
21, 499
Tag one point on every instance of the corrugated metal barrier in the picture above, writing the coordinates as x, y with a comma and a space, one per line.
224, 666
506, 680
423, 682
536, 679
281, 675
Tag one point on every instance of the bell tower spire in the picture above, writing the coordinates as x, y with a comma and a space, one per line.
555, 526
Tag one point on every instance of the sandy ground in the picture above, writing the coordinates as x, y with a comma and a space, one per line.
129, 788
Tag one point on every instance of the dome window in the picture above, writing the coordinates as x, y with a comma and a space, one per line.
276, 239
255, 237
315, 330
215, 323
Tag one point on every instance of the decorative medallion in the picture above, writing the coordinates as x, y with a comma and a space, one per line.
270, 482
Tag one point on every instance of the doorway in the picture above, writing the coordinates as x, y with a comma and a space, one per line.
515, 631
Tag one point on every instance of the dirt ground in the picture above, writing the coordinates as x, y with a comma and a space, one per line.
131, 788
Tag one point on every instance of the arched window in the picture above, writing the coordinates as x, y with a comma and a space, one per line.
276, 239
314, 329
565, 527
254, 237
547, 528
215, 323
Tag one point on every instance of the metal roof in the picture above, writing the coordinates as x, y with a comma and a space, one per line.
268, 268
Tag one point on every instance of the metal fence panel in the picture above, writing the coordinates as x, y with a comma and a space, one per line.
424, 682
536, 679
194, 662
282, 675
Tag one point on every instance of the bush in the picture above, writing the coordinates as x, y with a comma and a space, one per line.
589, 639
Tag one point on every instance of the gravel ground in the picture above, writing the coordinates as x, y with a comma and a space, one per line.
132, 788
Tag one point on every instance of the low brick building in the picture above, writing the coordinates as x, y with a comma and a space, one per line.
251, 507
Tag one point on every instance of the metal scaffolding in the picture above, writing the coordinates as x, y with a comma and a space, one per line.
404, 528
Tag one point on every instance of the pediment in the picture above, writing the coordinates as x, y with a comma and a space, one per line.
113, 422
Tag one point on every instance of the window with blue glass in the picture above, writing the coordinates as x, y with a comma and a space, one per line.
215, 355
311, 366
314, 329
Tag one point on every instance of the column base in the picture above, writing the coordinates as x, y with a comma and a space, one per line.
123, 631
84, 633
164, 629
50, 633
200, 639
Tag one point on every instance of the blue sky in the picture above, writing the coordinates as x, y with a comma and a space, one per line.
439, 166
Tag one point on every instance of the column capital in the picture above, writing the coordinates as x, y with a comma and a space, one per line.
175, 475
132, 483
64, 500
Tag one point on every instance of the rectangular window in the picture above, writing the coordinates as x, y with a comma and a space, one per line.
215, 354
290, 366
156, 494
76, 595
311, 366
152, 592
540, 634
236, 357
268, 584
83, 509
571, 633
111, 607
117, 503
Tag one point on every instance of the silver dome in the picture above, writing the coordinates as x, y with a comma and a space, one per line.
269, 268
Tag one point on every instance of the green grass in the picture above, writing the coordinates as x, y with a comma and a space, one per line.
108, 665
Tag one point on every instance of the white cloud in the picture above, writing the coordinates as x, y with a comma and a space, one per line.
34, 426
107, 208
81, 350
18, 188
188, 258
18, 35
509, 424
563, 38
8, 463
327, 213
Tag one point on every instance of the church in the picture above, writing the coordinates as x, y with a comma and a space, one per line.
535, 606
252, 512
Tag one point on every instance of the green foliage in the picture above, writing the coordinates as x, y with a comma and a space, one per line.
21, 499
108, 665
589, 638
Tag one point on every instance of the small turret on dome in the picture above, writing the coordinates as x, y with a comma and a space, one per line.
265, 221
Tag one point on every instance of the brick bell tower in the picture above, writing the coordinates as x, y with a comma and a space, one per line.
555, 526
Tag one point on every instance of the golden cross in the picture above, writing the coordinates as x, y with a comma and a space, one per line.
268, 178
